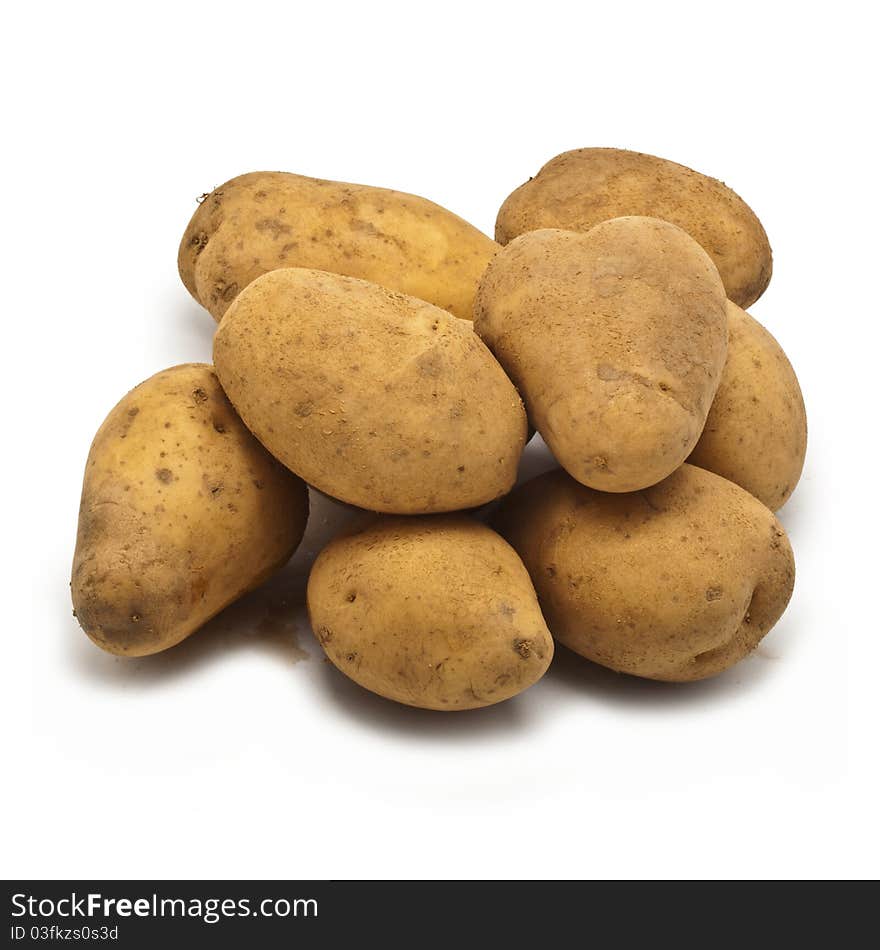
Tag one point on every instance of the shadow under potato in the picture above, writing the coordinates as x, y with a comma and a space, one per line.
574, 673
272, 620
385, 715
268, 619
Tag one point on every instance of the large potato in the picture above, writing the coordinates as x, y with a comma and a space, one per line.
182, 512
677, 582
378, 399
578, 189
756, 431
431, 612
616, 340
265, 220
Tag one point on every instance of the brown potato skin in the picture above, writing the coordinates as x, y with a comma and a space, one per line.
616, 340
756, 431
578, 189
677, 582
375, 398
432, 612
266, 220
182, 512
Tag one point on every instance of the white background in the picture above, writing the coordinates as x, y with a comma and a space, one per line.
241, 753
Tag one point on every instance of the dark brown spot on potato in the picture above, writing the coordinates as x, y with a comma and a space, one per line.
273, 226
224, 292
164, 475
199, 241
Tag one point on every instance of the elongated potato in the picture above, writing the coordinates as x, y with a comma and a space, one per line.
182, 512
616, 340
432, 612
265, 220
378, 399
677, 582
578, 189
756, 431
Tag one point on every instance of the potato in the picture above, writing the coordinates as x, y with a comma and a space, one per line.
182, 512
578, 189
756, 432
616, 340
265, 220
432, 612
677, 582
375, 398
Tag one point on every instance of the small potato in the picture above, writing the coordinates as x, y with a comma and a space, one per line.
431, 612
578, 189
756, 431
265, 220
182, 512
616, 340
677, 582
375, 398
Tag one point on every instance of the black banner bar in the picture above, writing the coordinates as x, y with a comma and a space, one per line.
261, 914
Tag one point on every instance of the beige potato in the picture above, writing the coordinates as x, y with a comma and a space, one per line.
265, 220
676, 582
616, 340
756, 431
578, 189
182, 512
375, 398
432, 612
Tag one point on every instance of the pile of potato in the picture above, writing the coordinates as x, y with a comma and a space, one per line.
380, 349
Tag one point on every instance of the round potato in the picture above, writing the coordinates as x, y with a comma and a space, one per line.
432, 612
182, 512
616, 340
756, 431
578, 189
265, 220
375, 398
677, 582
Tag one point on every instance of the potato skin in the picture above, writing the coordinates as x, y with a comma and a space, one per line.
375, 398
616, 340
756, 431
182, 512
578, 189
431, 612
266, 220
677, 582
